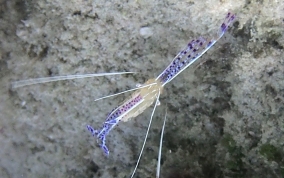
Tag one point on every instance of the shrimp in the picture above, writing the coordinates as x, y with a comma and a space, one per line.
146, 94
151, 90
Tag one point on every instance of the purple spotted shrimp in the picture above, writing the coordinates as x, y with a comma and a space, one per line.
144, 95
151, 90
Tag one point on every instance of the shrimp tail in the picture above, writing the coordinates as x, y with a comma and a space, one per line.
101, 135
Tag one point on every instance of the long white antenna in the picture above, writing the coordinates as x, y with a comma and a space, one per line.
160, 147
27, 82
143, 86
145, 139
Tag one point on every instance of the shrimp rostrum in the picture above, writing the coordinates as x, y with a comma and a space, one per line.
146, 94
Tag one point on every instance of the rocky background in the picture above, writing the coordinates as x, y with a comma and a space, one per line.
225, 116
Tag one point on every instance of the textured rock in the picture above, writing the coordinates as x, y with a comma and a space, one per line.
225, 118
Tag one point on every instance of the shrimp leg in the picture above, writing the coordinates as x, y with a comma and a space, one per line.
145, 139
160, 147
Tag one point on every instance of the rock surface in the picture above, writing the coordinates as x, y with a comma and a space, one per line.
225, 117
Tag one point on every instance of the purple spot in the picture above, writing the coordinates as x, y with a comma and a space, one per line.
233, 17
228, 15
223, 27
113, 121
209, 44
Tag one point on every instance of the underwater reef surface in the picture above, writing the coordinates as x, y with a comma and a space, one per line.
225, 116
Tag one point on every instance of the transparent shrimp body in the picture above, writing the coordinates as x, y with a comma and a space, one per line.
129, 108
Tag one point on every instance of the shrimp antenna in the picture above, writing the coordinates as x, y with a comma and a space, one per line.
160, 147
143, 86
145, 139
27, 82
